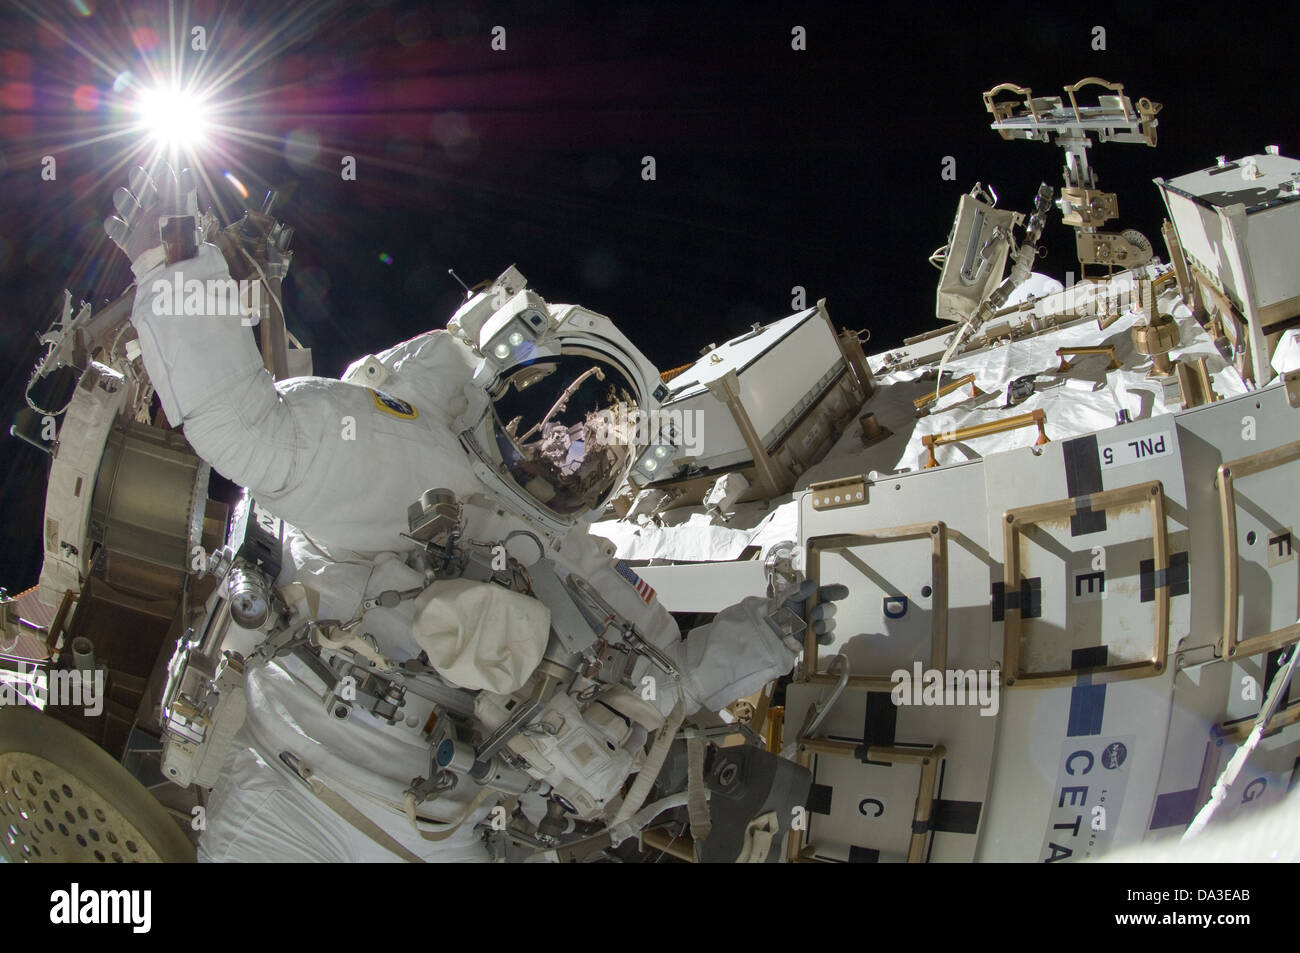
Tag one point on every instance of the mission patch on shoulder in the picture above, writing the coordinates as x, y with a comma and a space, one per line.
393, 405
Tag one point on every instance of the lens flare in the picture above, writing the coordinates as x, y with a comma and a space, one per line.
238, 186
174, 118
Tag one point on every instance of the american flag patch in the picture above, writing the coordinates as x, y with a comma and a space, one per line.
643, 588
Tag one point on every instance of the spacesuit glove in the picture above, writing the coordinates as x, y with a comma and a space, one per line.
791, 616
735, 655
157, 218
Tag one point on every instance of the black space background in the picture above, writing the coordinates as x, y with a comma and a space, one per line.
775, 168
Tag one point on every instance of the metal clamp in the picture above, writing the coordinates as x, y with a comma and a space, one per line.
580, 589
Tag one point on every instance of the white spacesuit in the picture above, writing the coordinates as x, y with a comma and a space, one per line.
340, 462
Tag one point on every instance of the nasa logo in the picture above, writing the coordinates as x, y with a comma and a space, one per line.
1113, 755
393, 405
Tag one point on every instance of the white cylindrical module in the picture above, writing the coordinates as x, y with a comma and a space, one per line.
83, 654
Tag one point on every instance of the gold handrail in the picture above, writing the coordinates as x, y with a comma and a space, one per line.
1169, 277
1239, 730
683, 848
1002, 111
62, 619
937, 533
947, 389
1228, 473
1097, 81
1107, 349
1035, 418
1151, 493
928, 758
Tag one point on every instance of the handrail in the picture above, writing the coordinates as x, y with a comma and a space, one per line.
1239, 730
1037, 417
62, 618
1169, 277
947, 389
1151, 493
1233, 647
1107, 349
999, 110
935, 531
928, 759
1097, 81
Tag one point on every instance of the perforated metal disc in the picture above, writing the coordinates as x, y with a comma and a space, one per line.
71, 802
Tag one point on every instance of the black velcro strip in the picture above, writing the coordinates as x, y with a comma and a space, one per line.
1094, 656
863, 855
881, 722
955, 817
1031, 597
819, 799
1029, 600
998, 601
1083, 478
1175, 809
1177, 577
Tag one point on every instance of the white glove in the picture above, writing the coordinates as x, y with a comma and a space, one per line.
792, 616
745, 646
155, 203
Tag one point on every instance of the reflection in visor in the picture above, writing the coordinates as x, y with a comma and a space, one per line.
555, 430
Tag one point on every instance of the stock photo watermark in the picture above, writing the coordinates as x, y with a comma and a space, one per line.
631, 426
61, 688
178, 296
947, 688
84, 906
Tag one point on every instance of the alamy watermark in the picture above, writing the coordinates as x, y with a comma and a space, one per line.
950, 687
178, 296
1113, 297
631, 426
61, 688
78, 905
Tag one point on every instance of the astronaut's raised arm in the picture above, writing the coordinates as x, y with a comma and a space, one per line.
284, 442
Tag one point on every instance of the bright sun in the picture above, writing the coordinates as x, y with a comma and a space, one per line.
174, 118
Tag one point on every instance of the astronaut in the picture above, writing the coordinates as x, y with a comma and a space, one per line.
509, 415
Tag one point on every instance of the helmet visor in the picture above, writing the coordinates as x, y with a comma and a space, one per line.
554, 427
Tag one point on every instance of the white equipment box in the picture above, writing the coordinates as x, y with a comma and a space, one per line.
1239, 223
782, 370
